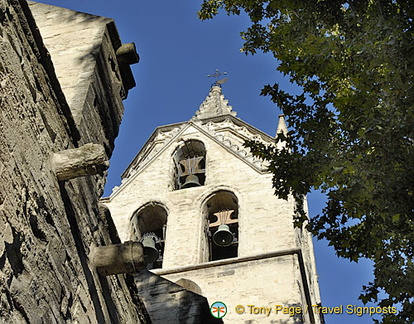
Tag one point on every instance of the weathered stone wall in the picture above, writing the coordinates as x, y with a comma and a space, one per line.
47, 227
266, 282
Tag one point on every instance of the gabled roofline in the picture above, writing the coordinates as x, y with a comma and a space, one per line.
187, 124
146, 144
236, 120
240, 122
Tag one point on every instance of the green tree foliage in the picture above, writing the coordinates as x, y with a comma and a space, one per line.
352, 126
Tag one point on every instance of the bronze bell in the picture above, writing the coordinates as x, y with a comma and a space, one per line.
191, 181
223, 237
151, 253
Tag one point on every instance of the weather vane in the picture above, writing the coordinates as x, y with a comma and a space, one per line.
216, 75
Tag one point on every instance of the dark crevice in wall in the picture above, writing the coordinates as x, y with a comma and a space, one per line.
18, 306
3, 14
106, 292
108, 150
109, 224
113, 67
65, 311
14, 254
37, 231
68, 315
41, 203
5, 309
50, 131
2, 260
75, 230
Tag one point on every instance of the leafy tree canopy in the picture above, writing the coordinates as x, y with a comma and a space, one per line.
352, 126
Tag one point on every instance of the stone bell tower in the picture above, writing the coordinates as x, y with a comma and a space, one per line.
207, 208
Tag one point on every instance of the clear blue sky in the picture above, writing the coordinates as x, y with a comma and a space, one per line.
177, 51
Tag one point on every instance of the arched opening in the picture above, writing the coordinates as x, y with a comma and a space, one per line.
189, 165
222, 212
149, 225
189, 285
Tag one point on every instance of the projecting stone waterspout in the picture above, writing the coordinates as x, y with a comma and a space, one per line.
89, 159
118, 258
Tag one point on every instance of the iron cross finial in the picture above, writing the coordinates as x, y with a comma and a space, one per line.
216, 75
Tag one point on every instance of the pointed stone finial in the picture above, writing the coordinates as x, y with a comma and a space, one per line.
214, 105
281, 126
281, 129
